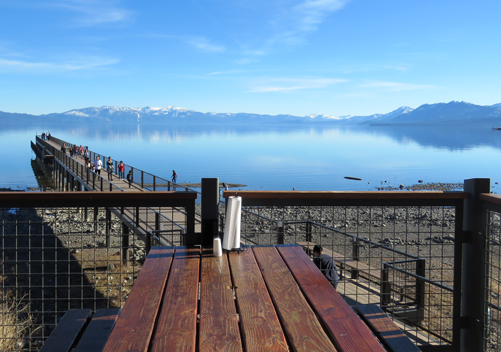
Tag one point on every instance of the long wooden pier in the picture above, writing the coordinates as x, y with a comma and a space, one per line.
169, 225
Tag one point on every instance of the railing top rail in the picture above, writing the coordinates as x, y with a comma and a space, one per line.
490, 198
104, 198
491, 201
354, 195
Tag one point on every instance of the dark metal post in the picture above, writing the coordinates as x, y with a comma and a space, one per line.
157, 223
142, 180
96, 211
355, 249
280, 232
125, 244
420, 285
475, 271
147, 242
189, 237
385, 287
309, 230
210, 210
137, 216
108, 228
154, 183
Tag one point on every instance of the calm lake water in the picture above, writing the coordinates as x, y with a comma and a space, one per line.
276, 157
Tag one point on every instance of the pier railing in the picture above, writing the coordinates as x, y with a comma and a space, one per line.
70, 174
142, 178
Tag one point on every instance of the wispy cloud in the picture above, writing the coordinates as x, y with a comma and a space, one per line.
81, 64
303, 18
198, 42
287, 85
204, 44
396, 86
96, 12
229, 72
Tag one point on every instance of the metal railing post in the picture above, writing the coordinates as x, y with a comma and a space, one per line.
355, 249
125, 244
475, 268
420, 285
108, 228
385, 287
309, 230
280, 232
96, 213
210, 210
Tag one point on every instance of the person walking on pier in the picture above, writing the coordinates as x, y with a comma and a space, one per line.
130, 178
174, 176
99, 164
110, 168
121, 168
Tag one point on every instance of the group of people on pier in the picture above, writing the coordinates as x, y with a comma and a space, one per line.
97, 165
45, 136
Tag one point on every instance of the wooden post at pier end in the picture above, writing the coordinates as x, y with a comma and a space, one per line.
474, 301
210, 210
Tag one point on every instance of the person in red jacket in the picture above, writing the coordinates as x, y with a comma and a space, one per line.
121, 168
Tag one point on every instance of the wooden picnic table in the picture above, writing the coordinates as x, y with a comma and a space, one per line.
265, 298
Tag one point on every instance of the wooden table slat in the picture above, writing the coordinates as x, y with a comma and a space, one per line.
302, 329
394, 338
98, 331
219, 328
135, 323
66, 332
177, 322
343, 325
261, 330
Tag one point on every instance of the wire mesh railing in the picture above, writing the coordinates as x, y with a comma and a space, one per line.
401, 257
492, 318
62, 251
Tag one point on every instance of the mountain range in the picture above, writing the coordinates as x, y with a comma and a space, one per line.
452, 113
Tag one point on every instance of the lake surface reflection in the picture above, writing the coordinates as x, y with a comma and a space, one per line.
275, 157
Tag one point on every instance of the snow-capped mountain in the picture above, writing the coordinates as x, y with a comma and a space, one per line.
440, 113
447, 113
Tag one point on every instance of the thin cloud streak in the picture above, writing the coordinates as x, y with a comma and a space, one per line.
96, 12
287, 85
305, 18
203, 44
47, 67
396, 86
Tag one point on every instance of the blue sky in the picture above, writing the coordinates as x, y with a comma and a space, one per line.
300, 57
